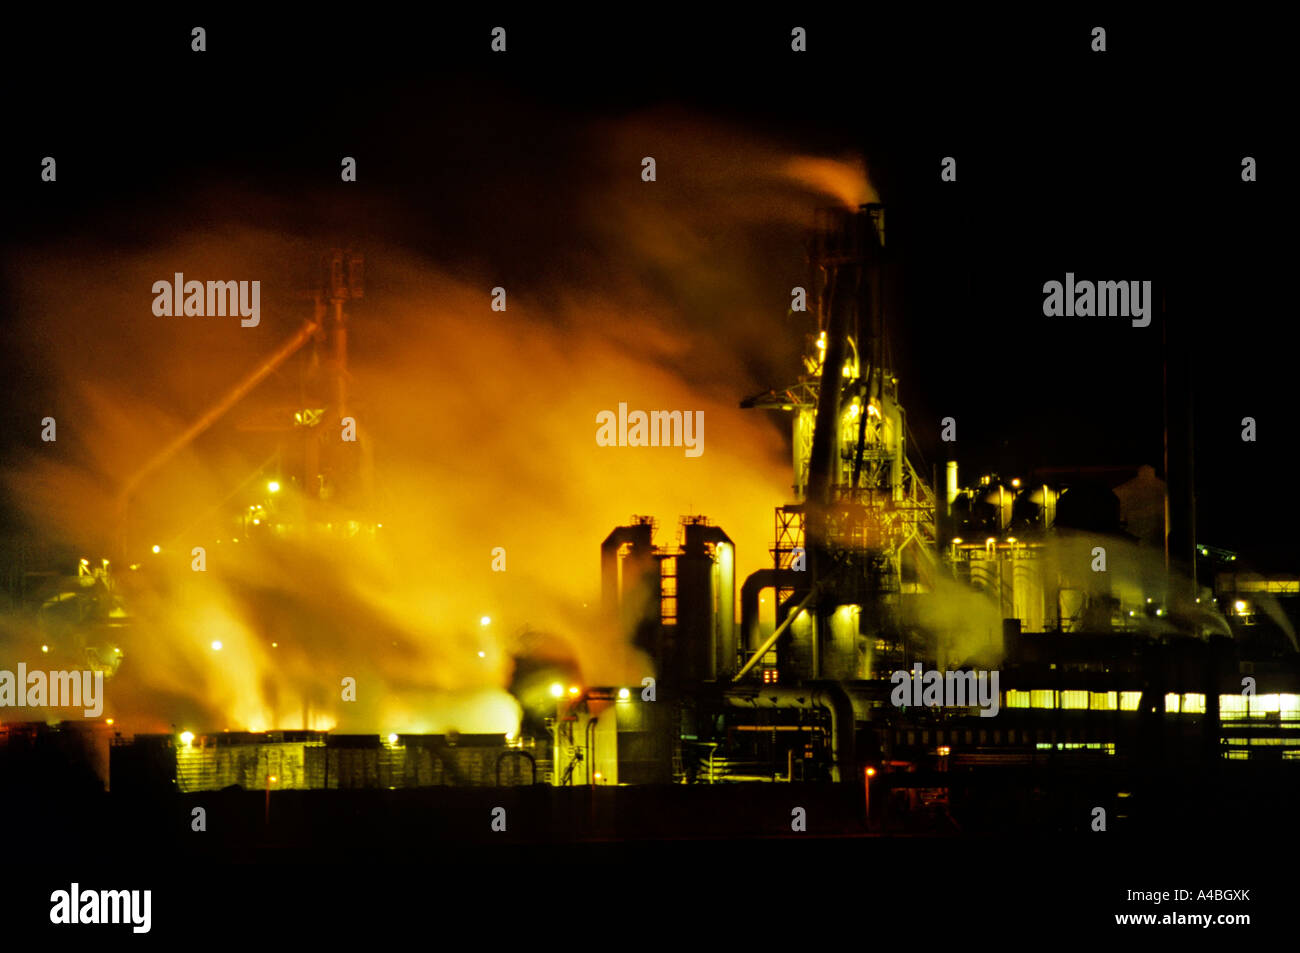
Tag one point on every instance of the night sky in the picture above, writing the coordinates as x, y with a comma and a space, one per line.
1122, 165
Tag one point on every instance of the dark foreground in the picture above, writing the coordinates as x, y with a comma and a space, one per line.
655, 865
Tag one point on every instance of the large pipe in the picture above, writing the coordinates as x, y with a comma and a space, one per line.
829, 696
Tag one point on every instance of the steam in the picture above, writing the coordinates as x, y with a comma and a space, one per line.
481, 424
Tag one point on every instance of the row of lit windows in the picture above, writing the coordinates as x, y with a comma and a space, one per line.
1108, 747
1192, 703
1081, 700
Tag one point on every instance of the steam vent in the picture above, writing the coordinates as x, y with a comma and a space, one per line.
706, 478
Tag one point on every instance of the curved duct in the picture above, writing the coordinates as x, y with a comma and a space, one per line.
754, 584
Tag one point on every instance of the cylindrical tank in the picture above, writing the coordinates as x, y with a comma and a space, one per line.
999, 500
1028, 588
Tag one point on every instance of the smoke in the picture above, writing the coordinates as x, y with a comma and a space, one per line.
481, 426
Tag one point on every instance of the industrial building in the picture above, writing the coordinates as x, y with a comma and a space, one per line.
1108, 656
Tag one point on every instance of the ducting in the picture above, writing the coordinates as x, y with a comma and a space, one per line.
828, 696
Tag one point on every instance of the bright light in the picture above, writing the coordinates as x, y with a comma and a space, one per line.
871, 772
187, 737
1015, 482
944, 751
273, 779
110, 721
257, 522
275, 645
117, 651
573, 689
557, 689
216, 645
624, 694
1011, 539
392, 739
482, 655
821, 341
486, 620
45, 648
1239, 606
273, 486
157, 548
957, 541
598, 775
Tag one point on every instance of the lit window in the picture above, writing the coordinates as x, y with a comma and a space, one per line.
1264, 704
1129, 701
1104, 701
1232, 706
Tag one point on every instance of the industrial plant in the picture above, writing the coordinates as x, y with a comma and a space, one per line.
955, 651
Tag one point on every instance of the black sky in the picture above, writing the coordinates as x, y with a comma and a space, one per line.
1122, 165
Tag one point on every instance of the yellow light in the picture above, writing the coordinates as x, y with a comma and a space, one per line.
1015, 483
117, 651
187, 737
1239, 606
216, 645
275, 645
85, 562
853, 411
486, 620
957, 541
273, 486
482, 655
557, 689
45, 648
990, 541
871, 772
624, 694
392, 739
944, 751
821, 341
257, 522
573, 689
110, 721
1011, 539
273, 779
598, 775
157, 548
872, 411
